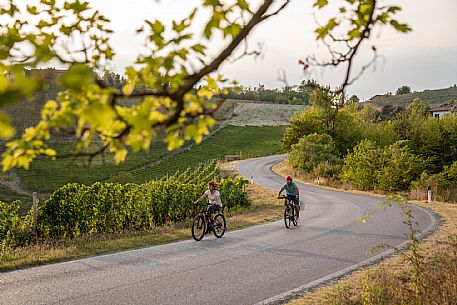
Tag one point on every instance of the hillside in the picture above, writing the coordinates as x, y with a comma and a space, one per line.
432, 97
261, 114
249, 129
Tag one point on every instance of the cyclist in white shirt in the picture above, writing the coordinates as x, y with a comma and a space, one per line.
214, 198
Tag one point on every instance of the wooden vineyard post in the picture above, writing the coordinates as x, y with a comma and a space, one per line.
35, 213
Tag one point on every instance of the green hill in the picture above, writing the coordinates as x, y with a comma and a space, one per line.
434, 97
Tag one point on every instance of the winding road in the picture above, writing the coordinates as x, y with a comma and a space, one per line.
261, 264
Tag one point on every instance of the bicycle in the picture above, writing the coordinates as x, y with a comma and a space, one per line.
201, 225
289, 211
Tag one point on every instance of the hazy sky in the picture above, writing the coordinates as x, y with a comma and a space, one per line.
423, 59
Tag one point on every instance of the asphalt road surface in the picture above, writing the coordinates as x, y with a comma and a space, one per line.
255, 265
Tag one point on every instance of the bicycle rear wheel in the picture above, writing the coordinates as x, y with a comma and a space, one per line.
220, 227
287, 216
198, 227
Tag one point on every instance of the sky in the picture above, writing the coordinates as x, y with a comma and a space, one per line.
425, 58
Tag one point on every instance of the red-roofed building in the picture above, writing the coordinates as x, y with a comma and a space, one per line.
441, 110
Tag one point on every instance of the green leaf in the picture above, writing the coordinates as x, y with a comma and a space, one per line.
394, 9
401, 27
179, 27
320, 3
6, 130
199, 48
174, 141
99, 115
32, 9
243, 4
77, 77
232, 30
158, 27
353, 34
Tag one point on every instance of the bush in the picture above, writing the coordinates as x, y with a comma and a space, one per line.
14, 230
312, 150
443, 185
360, 166
393, 168
326, 170
399, 168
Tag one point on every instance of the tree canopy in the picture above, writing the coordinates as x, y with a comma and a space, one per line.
169, 88
403, 90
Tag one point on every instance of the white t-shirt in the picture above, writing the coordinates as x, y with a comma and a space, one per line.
214, 198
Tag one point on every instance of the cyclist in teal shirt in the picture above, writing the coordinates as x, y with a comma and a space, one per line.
292, 192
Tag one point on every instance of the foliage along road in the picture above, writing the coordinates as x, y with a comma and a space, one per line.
259, 264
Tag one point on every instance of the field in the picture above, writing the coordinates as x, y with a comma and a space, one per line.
45, 175
247, 141
432, 97
258, 114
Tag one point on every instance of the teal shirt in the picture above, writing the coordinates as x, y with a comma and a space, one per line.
291, 189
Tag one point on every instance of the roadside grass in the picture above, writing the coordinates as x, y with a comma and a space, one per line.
426, 277
395, 280
264, 208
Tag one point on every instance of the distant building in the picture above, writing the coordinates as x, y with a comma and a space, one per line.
441, 110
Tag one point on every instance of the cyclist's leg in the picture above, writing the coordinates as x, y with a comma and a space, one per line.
297, 207
212, 210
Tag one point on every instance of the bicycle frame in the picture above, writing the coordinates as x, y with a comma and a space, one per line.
289, 206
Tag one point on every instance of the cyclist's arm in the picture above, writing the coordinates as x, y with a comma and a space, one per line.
280, 191
201, 198
298, 191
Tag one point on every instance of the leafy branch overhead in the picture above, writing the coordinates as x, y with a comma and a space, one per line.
169, 89
344, 34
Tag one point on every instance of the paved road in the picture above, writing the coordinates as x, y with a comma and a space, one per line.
244, 267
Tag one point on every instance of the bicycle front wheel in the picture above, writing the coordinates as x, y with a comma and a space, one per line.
220, 227
198, 227
287, 215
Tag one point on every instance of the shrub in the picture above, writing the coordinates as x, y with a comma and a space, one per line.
326, 170
14, 230
399, 167
360, 166
393, 168
312, 150
443, 185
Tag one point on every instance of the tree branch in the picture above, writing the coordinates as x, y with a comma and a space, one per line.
257, 18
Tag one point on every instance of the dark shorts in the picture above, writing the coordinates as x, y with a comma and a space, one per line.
295, 200
213, 209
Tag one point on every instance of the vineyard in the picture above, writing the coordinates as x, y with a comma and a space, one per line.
83, 210
45, 175
245, 141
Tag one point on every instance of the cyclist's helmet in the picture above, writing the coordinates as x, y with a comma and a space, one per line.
289, 178
213, 183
